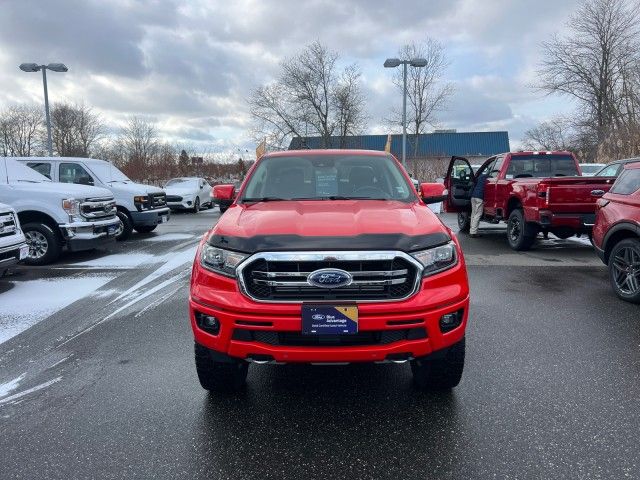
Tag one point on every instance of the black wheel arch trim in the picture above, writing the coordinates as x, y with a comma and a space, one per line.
625, 226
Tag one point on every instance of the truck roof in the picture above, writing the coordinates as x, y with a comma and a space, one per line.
307, 152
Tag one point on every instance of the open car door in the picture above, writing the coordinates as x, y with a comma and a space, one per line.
459, 182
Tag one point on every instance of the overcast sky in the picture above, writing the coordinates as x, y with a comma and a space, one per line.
190, 64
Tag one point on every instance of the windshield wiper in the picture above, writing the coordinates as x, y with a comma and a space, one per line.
263, 199
341, 197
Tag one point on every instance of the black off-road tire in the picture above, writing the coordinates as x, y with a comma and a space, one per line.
624, 269
222, 209
520, 233
127, 226
464, 221
216, 376
42, 238
438, 372
145, 228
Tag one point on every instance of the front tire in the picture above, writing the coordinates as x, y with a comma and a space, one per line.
439, 373
215, 376
45, 245
624, 269
520, 233
127, 226
464, 221
196, 205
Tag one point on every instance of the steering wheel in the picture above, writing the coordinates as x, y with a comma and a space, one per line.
370, 191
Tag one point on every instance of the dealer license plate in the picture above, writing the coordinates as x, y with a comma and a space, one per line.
329, 319
164, 219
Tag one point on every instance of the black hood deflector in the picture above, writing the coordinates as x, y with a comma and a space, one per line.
371, 241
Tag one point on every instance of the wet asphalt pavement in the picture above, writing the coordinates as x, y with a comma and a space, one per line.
108, 389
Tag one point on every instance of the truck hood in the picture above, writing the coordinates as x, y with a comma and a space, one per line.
64, 190
339, 224
134, 188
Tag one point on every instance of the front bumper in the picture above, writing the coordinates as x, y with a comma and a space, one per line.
12, 254
89, 235
148, 218
219, 296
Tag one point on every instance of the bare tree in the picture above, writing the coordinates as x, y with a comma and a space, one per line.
310, 97
555, 134
427, 93
139, 143
596, 63
21, 130
75, 129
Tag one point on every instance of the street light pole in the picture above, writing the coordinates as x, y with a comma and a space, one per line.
404, 115
393, 63
46, 112
56, 67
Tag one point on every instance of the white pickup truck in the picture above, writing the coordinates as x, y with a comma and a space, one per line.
54, 215
13, 246
140, 207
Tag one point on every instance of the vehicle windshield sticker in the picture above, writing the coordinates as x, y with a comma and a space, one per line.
326, 181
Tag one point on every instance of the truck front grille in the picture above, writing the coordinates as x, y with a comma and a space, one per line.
98, 208
8, 225
376, 276
158, 200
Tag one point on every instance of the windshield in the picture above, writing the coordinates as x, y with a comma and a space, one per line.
323, 177
106, 172
589, 169
14, 171
182, 182
541, 166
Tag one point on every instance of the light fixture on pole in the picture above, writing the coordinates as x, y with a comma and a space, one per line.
393, 63
54, 67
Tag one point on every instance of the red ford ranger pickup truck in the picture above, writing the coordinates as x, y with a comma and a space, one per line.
329, 256
532, 191
616, 234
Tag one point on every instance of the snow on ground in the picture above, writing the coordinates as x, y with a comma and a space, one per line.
8, 387
170, 237
19, 395
20, 310
117, 260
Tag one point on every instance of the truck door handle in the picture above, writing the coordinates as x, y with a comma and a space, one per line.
597, 193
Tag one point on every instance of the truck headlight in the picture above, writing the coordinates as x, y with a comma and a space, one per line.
437, 259
71, 206
141, 202
220, 260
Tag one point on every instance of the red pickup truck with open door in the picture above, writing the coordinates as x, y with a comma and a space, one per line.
533, 192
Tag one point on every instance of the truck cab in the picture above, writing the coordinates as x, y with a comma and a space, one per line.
139, 207
54, 216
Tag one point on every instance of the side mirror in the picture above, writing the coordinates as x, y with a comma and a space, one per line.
223, 192
433, 192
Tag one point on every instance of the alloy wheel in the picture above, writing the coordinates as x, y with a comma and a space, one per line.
626, 270
38, 244
514, 230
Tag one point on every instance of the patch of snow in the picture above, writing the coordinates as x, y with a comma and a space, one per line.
118, 260
30, 302
10, 386
18, 395
170, 237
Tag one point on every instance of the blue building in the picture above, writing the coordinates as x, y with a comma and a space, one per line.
439, 144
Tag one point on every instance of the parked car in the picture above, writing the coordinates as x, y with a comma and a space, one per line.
56, 215
139, 207
591, 169
13, 245
188, 193
329, 256
614, 168
532, 191
616, 234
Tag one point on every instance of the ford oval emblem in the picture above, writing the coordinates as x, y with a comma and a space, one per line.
329, 278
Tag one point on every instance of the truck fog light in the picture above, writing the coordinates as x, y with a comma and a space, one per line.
208, 323
451, 320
